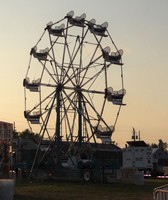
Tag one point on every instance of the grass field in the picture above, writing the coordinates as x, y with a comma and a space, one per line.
86, 191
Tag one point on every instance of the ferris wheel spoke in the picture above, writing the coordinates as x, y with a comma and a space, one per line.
75, 108
66, 75
53, 59
47, 131
91, 60
69, 103
81, 53
82, 112
92, 80
52, 75
41, 133
74, 56
98, 115
65, 49
82, 70
67, 121
88, 119
65, 118
38, 108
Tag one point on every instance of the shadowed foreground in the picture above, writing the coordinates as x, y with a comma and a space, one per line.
78, 190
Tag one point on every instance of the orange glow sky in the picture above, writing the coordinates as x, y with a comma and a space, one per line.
139, 27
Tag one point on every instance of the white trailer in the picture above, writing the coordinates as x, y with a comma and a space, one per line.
138, 157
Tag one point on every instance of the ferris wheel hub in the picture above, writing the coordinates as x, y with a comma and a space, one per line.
59, 87
78, 88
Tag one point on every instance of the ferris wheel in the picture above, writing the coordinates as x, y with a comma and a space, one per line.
74, 82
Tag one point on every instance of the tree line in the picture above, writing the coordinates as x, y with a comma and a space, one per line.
161, 145
28, 134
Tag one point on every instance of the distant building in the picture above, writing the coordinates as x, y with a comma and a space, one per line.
6, 136
6, 131
160, 160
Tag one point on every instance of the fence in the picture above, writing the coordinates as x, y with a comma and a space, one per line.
161, 193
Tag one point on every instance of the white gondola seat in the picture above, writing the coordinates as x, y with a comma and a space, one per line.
77, 21
97, 29
34, 86
57, 31
41, 55
33, 118
116, 97
114, 57
104, 133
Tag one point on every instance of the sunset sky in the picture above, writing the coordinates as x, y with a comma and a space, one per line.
139, 27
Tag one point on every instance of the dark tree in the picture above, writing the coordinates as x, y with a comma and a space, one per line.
162, 145
27, 134
153, 145
15, 134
